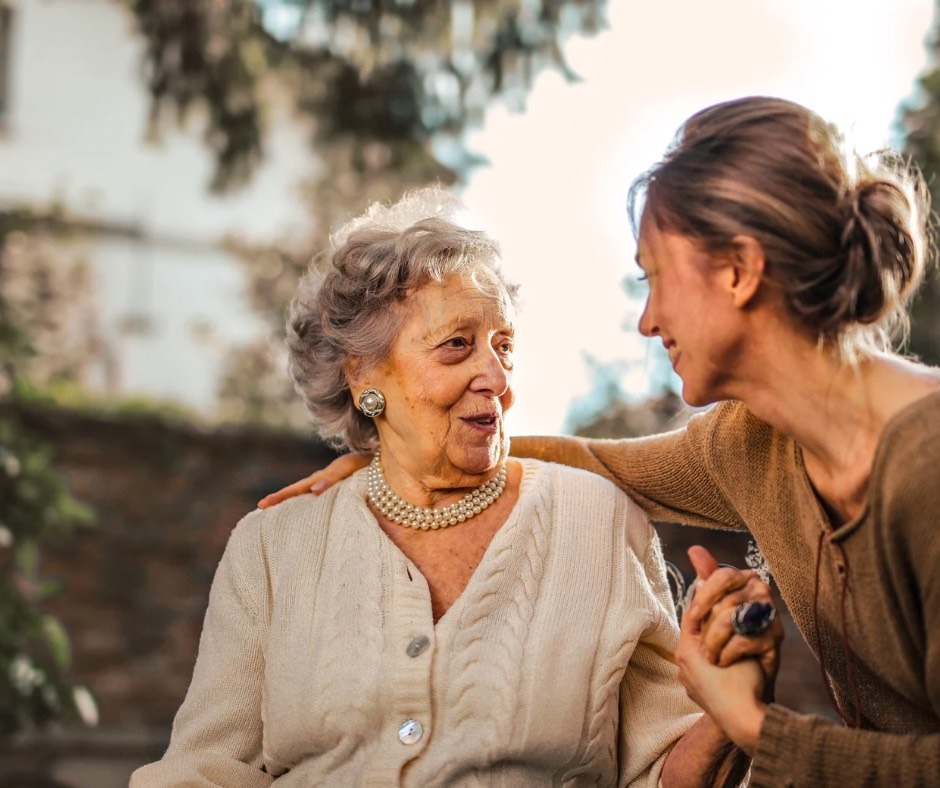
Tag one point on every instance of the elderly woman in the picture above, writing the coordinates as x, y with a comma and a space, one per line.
445, 616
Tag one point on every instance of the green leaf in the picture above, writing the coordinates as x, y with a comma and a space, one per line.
58, 640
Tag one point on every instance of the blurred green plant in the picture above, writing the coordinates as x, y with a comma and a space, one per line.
35, 509
388, 88
920, 123
386, 76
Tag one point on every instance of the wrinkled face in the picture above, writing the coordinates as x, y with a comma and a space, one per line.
690, 309
446, 383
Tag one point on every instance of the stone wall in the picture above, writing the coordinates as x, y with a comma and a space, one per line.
136, 584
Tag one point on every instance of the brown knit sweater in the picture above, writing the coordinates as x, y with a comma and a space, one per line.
878, 577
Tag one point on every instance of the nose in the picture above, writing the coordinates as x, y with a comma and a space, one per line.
493, 374
647, 324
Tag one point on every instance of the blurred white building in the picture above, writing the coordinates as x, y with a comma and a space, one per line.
73, 132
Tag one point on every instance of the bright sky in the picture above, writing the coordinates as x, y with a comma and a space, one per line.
555, 192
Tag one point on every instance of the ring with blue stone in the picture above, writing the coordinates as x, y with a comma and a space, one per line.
752, 618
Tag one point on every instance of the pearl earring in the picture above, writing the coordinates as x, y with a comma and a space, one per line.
371, 403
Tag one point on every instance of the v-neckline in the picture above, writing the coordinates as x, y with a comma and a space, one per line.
842, 530
501, 534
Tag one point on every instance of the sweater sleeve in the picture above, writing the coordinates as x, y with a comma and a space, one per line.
217, 733
800, 750
670, 475
654, 708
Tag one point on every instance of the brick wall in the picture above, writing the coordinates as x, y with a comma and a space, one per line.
137, 583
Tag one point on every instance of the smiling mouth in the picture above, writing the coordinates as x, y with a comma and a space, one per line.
673, 352
484, 420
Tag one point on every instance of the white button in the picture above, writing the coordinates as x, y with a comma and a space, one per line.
410, 732
417, 646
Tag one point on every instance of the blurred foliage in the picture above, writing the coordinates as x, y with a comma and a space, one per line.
608, 411
37, 300
397, 73
921, 126
622, 419
50, 327
72, 395
388, 88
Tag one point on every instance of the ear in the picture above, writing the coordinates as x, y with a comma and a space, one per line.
351, 370
748, 264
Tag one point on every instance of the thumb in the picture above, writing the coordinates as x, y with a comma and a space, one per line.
703, 561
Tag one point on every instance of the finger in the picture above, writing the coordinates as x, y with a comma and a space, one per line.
717, 626
720, 583
316, 483
770, 663
739, 647
703, 561
725, 592
688, 659
297, 488
716, 629
689, 633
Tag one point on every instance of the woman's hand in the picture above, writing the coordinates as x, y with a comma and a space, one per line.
730, 696
320, 481
718, 592
728, 675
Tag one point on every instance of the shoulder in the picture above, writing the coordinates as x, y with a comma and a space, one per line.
578, 497
298, 523
563, 482
914, 430
908, 457
730, 425
904, 495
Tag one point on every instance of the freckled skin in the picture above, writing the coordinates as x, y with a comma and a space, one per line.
449, 367
448, 557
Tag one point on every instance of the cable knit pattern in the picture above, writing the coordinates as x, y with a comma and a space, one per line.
509, 579
304, 677
729, 469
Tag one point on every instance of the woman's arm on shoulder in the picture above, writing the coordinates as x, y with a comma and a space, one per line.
320, 481
217, 732
669, 474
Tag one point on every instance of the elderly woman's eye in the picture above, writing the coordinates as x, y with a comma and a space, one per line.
456, 342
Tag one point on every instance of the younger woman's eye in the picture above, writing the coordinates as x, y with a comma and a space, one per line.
643, 278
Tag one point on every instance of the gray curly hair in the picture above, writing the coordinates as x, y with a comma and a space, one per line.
347, 309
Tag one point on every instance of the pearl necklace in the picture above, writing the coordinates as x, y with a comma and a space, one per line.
403, 513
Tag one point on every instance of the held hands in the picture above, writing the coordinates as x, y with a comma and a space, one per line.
729, 675
320, 481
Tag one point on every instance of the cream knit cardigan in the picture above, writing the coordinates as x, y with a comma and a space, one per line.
553, 667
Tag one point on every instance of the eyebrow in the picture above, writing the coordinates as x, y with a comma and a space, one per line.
458, 324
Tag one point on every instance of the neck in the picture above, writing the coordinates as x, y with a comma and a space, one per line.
432, 487
400, 511
825, 406
836, 412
